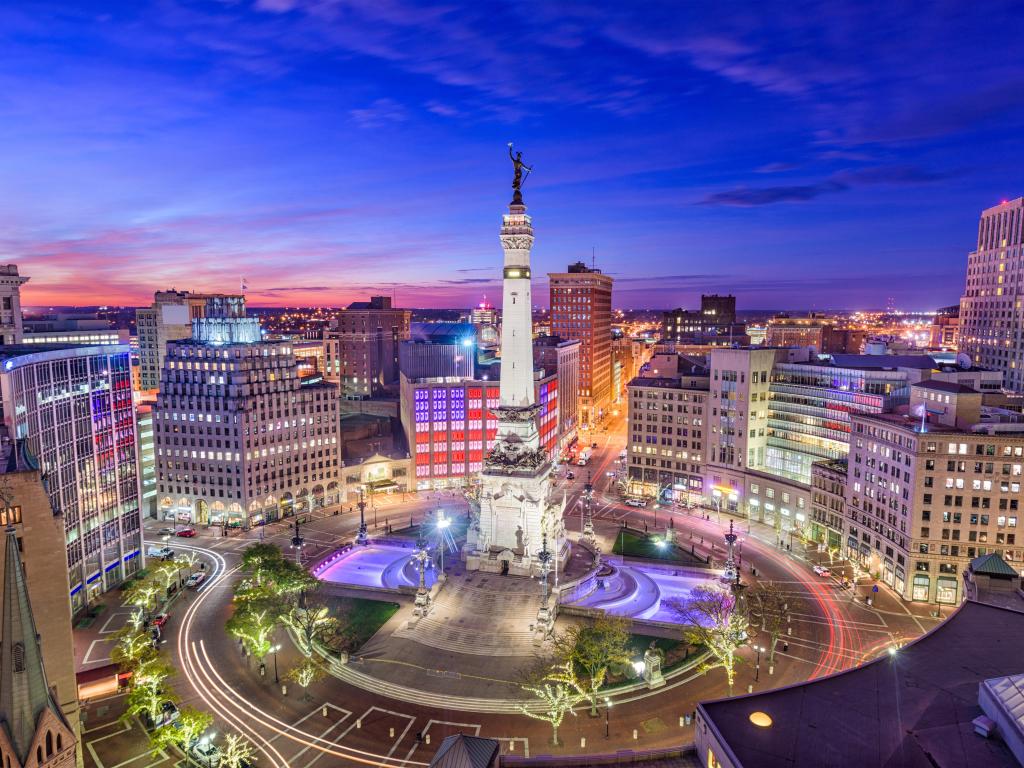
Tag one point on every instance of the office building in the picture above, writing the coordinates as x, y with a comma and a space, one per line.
815, 331
239, 438
73, 328
361, 347
581, 309
40, 557
146, 457
667, 404
714, 323
11, 329
439, 350
169, 318
563, 357
73, 407
488, 325
450, 426
992, 307
929, 491
945, 331
33, 729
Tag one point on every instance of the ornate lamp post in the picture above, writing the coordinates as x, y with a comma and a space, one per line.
421, 605
297, 542
545, 616
362, 537
588, 512
730, 574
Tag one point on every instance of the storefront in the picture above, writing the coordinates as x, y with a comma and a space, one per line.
946, 589
922, 588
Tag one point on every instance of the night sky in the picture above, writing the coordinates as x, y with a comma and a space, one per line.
800, 155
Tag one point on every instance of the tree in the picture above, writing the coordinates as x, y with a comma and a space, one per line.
167, 571
559, 694
592, 649
142, 594
254, 623
146, 701
183, 733
314, 623
237, 752
291, 580
259, 560
768, 608
132, 646
306, 672
711, 618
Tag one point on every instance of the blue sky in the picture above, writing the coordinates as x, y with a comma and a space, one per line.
801, 155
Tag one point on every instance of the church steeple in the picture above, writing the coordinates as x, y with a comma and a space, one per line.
29, 714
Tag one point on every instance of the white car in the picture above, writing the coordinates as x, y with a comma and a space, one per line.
821, 570
636, 502
195, 579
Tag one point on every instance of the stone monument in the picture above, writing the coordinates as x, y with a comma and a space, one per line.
517, 510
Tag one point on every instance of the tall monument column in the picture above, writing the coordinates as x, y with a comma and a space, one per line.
516, 508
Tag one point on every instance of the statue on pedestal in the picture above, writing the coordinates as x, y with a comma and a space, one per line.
518, 177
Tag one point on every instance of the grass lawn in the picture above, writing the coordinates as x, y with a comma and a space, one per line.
362, 618
630, 543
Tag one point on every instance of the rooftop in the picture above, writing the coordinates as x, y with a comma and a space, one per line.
883, 362
668, 382
947, 386
913, 708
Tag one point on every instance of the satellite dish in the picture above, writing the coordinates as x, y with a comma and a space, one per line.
964, 360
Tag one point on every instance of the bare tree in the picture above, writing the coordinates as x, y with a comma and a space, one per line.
712, 618
769, 605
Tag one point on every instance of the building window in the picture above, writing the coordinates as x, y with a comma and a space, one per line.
921, 587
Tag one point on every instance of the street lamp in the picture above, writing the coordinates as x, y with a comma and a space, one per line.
275, 649
443, 524
757, 665
362, 537
607, 719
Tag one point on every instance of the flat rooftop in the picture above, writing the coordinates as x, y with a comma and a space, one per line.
911, 709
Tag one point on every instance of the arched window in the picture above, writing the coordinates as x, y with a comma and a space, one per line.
18, 656
60, 742
39, 755
49, 743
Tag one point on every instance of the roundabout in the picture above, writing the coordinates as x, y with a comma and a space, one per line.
394, 704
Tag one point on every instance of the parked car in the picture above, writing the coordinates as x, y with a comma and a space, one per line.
593, 446
195, 579
168, 713
159, 620
636, 502
163, 553
188, 533
570, 475
207, 752
165, 532
821, 570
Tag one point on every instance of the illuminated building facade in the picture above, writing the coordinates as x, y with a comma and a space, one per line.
450, 426
992, 307
361, 347
170, 317
239, 438
581, 308
72, 406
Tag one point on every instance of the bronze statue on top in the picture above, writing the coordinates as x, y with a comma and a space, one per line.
518, 176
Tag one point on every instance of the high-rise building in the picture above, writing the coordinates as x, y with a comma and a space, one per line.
667, 430
169, 318
25, 510
33, 729
439, 350
361, 347
929, 491
73, 407
581, 308
519, 517
10, 304
992, 307
563, 357
146, 457
239, 438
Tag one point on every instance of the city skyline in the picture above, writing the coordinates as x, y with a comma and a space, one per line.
359, 149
